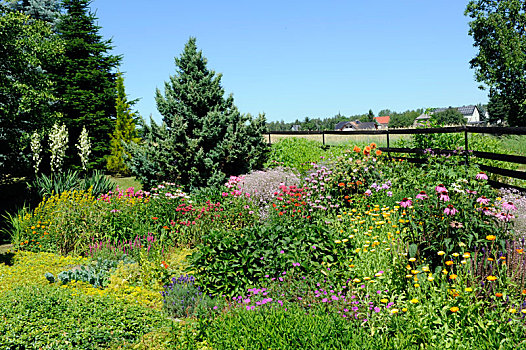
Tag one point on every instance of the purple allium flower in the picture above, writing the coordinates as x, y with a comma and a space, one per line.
481, 176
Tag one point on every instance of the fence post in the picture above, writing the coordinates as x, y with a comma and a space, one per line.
466, 150
388, 147
269, 142
323, 136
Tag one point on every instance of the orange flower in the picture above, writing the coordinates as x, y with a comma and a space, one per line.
358, 183
520, 251
491, 278
523, 292
357, 149
164, 264
280, 213
154, 218
378, 152
373, 145
449, 263
367, 149
341, 184
454, 309
452, 277
166, 227
498, 295
491, 238
491, 259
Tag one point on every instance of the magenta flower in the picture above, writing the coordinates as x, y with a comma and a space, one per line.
450, 210
508, 206
444, 196
481, 176
406, 202
281, 252
505, 216
440, 188
422, 195
483, 200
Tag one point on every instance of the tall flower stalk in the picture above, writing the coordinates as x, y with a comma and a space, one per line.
58, 142
84, 147
36, 150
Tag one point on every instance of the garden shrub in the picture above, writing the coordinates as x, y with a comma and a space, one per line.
229, 261
53, 318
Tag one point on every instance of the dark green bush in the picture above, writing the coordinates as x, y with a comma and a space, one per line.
229, 261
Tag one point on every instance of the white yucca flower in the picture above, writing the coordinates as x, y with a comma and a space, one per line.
58, 141
84, 147
36, 150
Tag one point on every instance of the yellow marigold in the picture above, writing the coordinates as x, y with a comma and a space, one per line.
491, 237
454, 309
491, 278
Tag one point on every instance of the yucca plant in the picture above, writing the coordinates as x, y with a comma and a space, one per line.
98, 182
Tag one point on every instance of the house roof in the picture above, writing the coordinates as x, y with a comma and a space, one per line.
365, 125
382, 120
340, 125
423, 116
465, 110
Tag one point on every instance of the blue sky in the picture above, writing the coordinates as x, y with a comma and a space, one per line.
293, 59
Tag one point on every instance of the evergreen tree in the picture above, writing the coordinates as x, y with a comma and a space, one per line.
26, 91
85, 80
47, 11
203, 137
124, 131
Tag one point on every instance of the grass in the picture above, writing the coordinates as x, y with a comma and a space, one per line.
336, 140
125, 182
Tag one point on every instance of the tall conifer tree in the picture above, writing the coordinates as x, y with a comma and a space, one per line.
124, 131
85, 80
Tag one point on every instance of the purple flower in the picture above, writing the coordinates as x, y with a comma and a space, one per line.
422, 195
389, 193
483, 200
368, 192
481, 176
376, 309
444, 196
282, 252
508, 206
450, 210
324, 300
295, 264
406, 202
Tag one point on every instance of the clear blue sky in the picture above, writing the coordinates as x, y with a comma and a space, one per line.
292, 59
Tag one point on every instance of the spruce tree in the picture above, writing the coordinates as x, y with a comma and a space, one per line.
124, 131
48, 11
85, 81
203, 138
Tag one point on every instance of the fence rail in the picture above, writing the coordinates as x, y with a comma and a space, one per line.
497, 131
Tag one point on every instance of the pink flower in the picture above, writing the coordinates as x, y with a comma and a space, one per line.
440, 188
508, 206
505, 216
406, 202
444, 196
421, 195
450, 210
481, 176
368, 192
483, 200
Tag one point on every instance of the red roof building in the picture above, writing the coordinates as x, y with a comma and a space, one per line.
382, 121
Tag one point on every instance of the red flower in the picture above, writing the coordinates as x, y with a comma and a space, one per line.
154, 218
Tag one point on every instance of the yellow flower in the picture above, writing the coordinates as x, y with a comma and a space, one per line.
455, 254
454, 309
491, 278
513, 311
412, 259
414, 301
452, 277
394, 311
416, 285
491, 238
405, 309
469, 289
466, 255
356, 280
408, 276
384, 301
337, 241
441, 253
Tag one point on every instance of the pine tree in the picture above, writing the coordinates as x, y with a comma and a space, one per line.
203, 137
85, 81
48, 11
124, 131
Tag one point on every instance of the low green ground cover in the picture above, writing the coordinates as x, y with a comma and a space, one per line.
332, 249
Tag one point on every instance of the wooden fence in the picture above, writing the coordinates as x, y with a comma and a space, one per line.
393, 151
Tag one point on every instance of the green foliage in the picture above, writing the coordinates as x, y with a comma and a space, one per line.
203, 138
96, 274
85, 81
98, 182
450, 116
26, 91
226, 263
51, 317
403, 120
498, 32
124, 131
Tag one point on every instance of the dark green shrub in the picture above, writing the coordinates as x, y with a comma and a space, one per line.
229, 261
99, 183
45, 186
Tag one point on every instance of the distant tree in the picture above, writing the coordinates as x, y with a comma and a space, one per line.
26, 91
385, 112
403, 120
85, 80
124, 132
450, 116
498, 31
203, 138
497, 109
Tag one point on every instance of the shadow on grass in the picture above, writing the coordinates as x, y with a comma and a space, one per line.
7, 258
